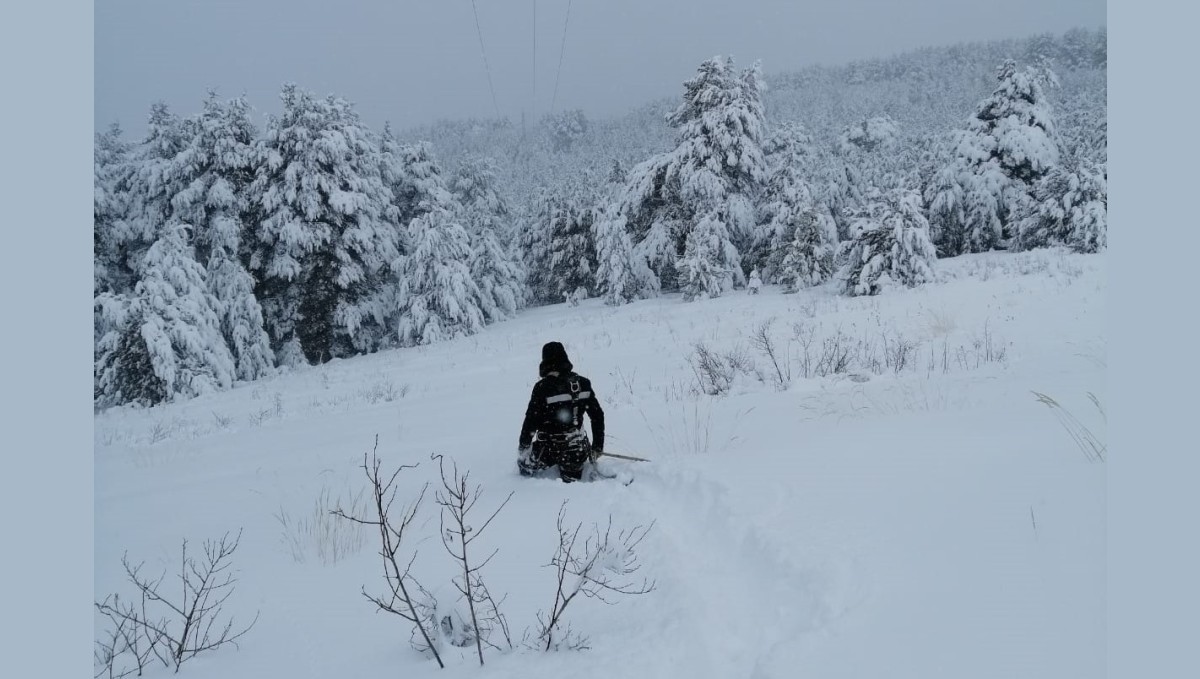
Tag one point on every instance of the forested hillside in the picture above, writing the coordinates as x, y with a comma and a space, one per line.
226, 249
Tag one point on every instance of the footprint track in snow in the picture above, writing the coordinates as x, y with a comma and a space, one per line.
731, 596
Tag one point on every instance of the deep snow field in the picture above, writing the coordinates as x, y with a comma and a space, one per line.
930, 521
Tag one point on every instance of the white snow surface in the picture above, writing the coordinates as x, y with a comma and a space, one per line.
939, 522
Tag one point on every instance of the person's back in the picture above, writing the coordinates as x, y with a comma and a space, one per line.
555, 415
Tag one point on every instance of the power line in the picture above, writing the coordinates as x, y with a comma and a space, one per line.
483, 52
561, 51
533, 65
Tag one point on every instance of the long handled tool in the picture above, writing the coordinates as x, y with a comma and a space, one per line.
622, 457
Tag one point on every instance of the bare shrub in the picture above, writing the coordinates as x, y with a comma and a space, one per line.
713, 375
763, 341
602, 567
397, 573
222, 421
865, 354
899, 353
984, 348
457, 500
125, 648
740, 363
160, 432
834, 357
988, 347
178, 629
803, 336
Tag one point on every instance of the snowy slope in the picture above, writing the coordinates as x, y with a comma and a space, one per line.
935, 522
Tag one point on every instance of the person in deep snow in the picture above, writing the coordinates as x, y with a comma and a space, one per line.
555, 415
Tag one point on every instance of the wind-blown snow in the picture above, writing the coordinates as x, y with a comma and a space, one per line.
938, 522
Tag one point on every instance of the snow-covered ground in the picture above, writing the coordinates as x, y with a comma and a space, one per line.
930, 521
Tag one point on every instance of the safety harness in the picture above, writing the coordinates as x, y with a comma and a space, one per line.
575, 396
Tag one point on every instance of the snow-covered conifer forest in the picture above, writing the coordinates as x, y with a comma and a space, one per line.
310, 237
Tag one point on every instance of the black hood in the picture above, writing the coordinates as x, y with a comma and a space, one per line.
554, 359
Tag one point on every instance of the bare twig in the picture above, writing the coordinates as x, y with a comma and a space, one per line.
205, 586
762, 340
712, 375
599, 568
398, 574
496, 615
457, 500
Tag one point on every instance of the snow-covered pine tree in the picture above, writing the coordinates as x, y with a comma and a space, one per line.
807, 259
1071, 208
1089, 215
913, 255
716, 170
616, 172
497, 274
391, 172
709, 260
1086, 137
417, 183
566, 128
495, 267
112, 173
838, 185
164, 339
535, 247
321, 252
420, 186
947, 198
1019, 118
1100, 48
754, 284
621, 276
789, 145
892, 246
473, 184
882, 157
787, 194
1008, 145
869, 135
215, 169
209, 177
152, 185
560, 248
437, 298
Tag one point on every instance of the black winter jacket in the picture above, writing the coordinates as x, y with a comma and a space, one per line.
557, 405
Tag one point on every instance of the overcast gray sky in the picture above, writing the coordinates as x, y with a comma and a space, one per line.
413, 61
